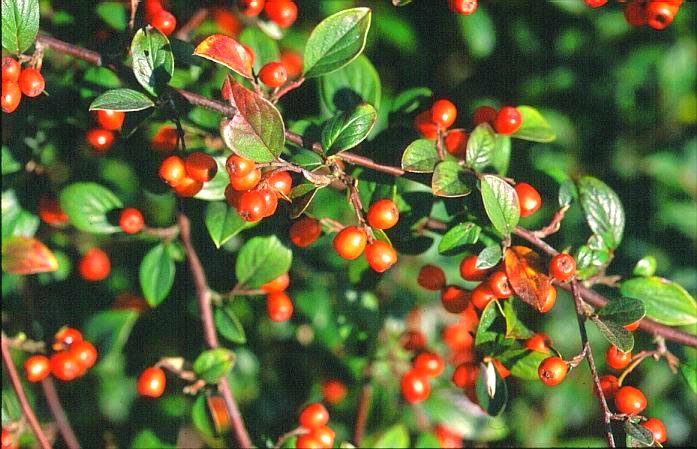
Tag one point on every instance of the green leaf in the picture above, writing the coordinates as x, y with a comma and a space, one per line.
114, 14
534, 126
396, 436
489, 257
336, 41
489, 379
125, 100
426, 440
257, 131
264, 48
420, 156
355, 83
109, 330
567, 192
478, 32
484, 332
623, 311
153, 62
501, 157
149, 439
523, 363
223, 222
20, 24
458, 236
156, 274
410, 100
665, 301
689, 372
16, 220
603, 209
201, 418
261, 260
213, 364
645, 267
638, 432
9, 163
449, 180
480, 147
348, 129
86, 204
501, 203
228, 325
514, 327
615, 333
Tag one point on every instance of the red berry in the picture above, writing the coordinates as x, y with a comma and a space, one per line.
131, 220
350, 242
617, 359
498, 284
293, 63
282, 12
630, 400
270, 202
273, 74
656, 427
466, 375
508, 120
187, 187
308, 442
37, 368
100, 139
227, 21
429, 363
463, 7
447, 438
595, 3
305, 232
469, 270
152, 7
238, 167
323, 435
232, 196
279, 306
164, 21
456, 143
413, 340
469, 318
457, 337
501, 369
111, 120
631, 327
484, 114
313, 416
9, 441
431, 277
281, 183
660, 14
165, 139
424, 125
454, 299
246, 182
549, 301
251, 8
172, 170
552, 371
529, 199
200, 166
380, 256
50, 211
65, 337
481, 296
562, 267
415, 386
94, 265
85, 353
31, 82
635, 13
443, 113
538, 343
65, 366
383, 214
333, 391
10, 70
11, 96
609, 385
276, 285
252, 206
152, 382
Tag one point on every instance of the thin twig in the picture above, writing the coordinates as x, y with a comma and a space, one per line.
362, 413
59, 416
27, 411
288, 435
194, 21
554, 224
288, 87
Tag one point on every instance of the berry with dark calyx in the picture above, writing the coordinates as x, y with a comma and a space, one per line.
282, 12
237, 166
85, 353
429, 363
324, 435
11, 96
152, 382
131, 220
469, 270
609, 385
508, 120
552, 371
635, 13
383, 214
424, 125
94, 265
251, 8
617, 359
65, 337
31, 82
164, 21
499, 285
538, 343
484, 114
100, 139
656, 427
562, 267
595, 3
660, 14
454, 299
350, 242
305, 232
529, 199
279, 307
431, 277
333, 391
188, 187
200, 166
549, 301
314, 416
415, 386
630, 400
631, 327
463, 7
252, 206
37, 368
456, 143
380, 256
65, 367
165, 139
281, 183
111, 120
481, 296
293, 62
466, 375
246, 182
10, 70
443, 113
50, 211
277, 284
273, 74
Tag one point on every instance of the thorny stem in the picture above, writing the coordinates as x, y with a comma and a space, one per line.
27, 411
58, 414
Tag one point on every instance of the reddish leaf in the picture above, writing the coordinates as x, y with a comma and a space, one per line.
228, 52
25, 255
526, 274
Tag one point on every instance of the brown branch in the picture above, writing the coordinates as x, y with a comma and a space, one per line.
288, 435
59, 415
362, 413
288, 87
194, 21
581, 317
203, 295
554, 224
27, 411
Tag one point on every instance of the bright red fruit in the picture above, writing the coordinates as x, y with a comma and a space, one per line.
482, 296
37, 368
273, 74
276, 285
415, 386
469, 270
237, 166
484, 114
424, 125
609, 385
595, 3
443, 113
131, 220
279, 307
84, 352
562, 267
333, 391
456, 143
429, 363
431, 277
200, 166
165, 139
270, 201
380, 256
252, 206
152, 382
281, 183
552, 371
499, 285
529, 199
282, 12
65, 366
100, 139
466, 375
508, 120
94, 265
635, 13
164, 21
305, 232
660, 14
172, 170
308, 442
314, 416
463, 7
350, 242
324, 435
31, 82
111, 120
11, 96
447, 438
65, 337
538, 343
246, 182
187, 187
457, 337
293, 62
617, 359
251, 8
383, 214
10, 69
454, 299
50, 211
630, 400
656, 427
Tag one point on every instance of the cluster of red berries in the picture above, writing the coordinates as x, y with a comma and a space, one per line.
278, 304
464, 8
416, 385
187, 176
282, 12
352, 241
72, 358
314, 419
657, 14
152, 382
157, 16
253, 194
101, 138
17, 82
94, 265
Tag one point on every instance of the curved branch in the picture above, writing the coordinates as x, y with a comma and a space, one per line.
58, 413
